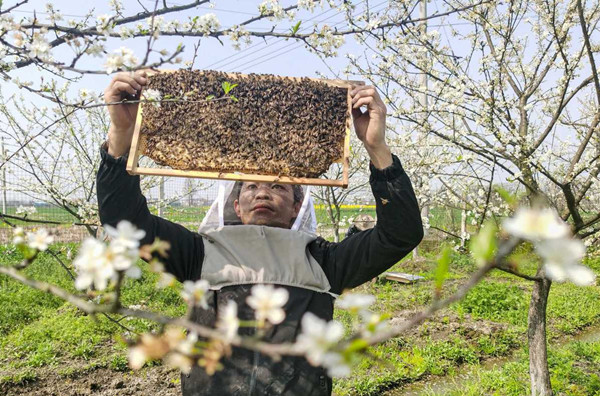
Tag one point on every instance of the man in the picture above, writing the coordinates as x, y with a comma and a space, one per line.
311, 269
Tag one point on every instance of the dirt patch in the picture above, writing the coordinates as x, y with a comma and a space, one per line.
445, 324
156, 381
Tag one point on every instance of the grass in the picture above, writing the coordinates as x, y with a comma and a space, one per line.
39, 331
573, 372
489, 323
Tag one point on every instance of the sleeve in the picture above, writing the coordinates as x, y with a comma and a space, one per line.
366, 254
120, 198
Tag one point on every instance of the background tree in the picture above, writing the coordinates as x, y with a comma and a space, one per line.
515, 87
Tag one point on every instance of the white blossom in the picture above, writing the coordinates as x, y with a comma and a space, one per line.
373, 23
207, 23
125, 237
237, 34
536, 224
54, 16
336, 365
92, 265
104, 24
318, 337
126, 32
267, 302
156, 347
18, 39
307, 5
374, 323
39, 47
194, 293
18, 236
6, 23
95, 50
152, 95
271, 7
115, 5
355, 302
39, 240
97, 263
228, 321
561, 261
120, 58
25, 210
326, 41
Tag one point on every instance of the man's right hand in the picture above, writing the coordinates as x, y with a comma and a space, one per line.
122, 116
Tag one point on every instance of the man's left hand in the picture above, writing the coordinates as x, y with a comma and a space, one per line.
370, 125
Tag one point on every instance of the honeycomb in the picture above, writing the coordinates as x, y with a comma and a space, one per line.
265, 124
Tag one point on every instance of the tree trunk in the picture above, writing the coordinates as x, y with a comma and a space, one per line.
536, 333
463, 227
424, 214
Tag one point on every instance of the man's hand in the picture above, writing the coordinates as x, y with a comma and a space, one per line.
370, 125
122, 116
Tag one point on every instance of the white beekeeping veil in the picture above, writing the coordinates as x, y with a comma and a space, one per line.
222, 213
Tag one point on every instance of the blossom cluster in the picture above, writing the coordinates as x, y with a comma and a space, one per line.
152, 95
552, 239
326, 41
119, 59
97, 263
38, 240
25, 210
206, 24
172, 346
319, 340
39, 47
271, 7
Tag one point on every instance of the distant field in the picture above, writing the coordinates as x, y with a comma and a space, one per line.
439, 217
43, 214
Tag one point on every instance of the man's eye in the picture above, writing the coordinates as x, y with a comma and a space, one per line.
278, 186
251, 186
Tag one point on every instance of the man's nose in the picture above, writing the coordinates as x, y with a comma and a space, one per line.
263, 192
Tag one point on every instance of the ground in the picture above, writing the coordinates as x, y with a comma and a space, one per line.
48, 347
158, 381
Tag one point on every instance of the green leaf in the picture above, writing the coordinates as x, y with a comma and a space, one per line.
210, 97
295, 28
483, 246
357, 345
227, 87
441, 271
234, 98
509, 198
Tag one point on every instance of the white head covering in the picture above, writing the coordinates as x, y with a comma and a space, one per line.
222, 213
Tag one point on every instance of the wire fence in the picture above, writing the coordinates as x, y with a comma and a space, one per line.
70, 212
69, 207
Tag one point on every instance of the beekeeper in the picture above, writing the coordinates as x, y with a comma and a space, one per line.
264, 233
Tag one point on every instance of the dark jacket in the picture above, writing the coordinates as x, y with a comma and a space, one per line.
346, 264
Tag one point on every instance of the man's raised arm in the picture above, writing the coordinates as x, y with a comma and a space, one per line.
119, 193
399, 229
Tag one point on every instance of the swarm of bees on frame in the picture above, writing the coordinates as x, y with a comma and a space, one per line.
265, 124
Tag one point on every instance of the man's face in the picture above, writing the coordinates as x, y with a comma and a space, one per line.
270, 204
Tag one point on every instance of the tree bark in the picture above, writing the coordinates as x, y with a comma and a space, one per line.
536, 334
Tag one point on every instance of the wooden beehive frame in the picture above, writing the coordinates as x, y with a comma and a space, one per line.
136, 150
